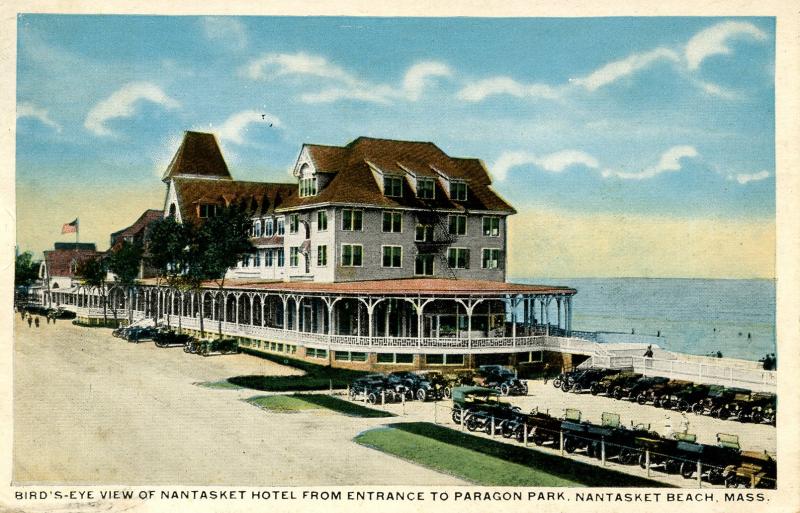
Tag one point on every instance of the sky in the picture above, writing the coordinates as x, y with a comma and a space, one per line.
629, 146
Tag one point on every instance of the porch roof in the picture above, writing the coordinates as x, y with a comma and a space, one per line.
404, 287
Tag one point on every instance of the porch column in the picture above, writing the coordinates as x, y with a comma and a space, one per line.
547, 316
285, 301
251, 310
558, 309
263, 309
526, 314
297, 313
569, 316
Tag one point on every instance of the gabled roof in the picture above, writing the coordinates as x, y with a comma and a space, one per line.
259, 198
137, 227
353, 181
59, 261
198, 155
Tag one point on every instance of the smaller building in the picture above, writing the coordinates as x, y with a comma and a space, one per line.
137, 233
58, 268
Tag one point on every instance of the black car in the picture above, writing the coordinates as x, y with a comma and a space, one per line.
630, 391
502, 380
372, 388
583, 381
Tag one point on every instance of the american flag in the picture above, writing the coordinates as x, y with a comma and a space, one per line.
70, 227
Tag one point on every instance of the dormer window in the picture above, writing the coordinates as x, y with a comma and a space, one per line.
426, 188
308, 187
393, 186
257, 228
206, 210
458, 191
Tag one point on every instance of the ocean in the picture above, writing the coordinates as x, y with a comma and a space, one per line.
696, 316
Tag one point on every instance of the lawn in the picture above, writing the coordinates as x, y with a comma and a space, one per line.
301, 402
488, 462
316, 377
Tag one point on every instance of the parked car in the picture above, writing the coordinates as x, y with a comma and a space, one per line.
754, 470
760, 407
372, 388
608, 383
718, 401
432, 385
659, 394
219, 346
165, 337
583, 381
631, 390
683, 399
502, 379
541, 428
469, 400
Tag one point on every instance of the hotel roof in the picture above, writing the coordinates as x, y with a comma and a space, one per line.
406, 286
198, 155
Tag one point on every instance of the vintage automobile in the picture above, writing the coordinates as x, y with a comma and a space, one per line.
165, 337
718, 401
607, 384
486, 402
684, 398
432, 385
681, 453
540, 427
615, 439
403, 384
502, 379
583, 381
218, 346
631, 390
659, 394
750, 407
558, 381
576, 432
759, 407
372, 388
754, 470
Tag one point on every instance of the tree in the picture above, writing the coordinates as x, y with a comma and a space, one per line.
125, 262
166, 251
222, 241
26, 270
93, 272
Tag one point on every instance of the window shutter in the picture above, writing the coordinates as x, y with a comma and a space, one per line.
501, 259
466, 259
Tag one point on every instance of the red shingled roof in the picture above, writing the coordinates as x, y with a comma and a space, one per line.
406, 286
198, 155
353, 180
138, 226
59, 262
260, 198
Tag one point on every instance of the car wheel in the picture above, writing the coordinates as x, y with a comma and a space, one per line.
421, 395
687, 469
641, 399
505, 389
723, 413
698, 408
472, 423
594, 389
570, 444
557, 383
617, 393
456, 416
448, 393
684, 406
409, 394
565, 386
372, 398
756, 417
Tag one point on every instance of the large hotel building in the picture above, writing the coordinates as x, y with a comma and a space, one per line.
381, 254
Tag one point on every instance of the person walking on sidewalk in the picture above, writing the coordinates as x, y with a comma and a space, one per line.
30, 321
36, 321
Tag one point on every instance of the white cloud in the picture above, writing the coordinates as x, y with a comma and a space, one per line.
273, 65
235, 127
554, 162
716, 90
225, 30
343, 84
744, 178
613, 71
29, 110
713, 40
418, 77
122, 103
670, 161
480, 90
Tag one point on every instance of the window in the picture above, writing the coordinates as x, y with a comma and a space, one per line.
257, 259
401, 358
426, 188
281, 229
458, 191
294, 223
457, 225
352, 255
490, 258
347, 356
444, 359
308, 187
423, 265
392, 256
294, 256
316, 353
322, 256
423, 233
491, 226
458, 258
280, 257
246, 261
352, 220
257, 229
392, 222
269, 258
322, 220
393, 186
206, 210
268, 228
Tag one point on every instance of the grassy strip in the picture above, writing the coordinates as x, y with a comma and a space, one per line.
488, 462
317, 377
222, 385
301, 402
